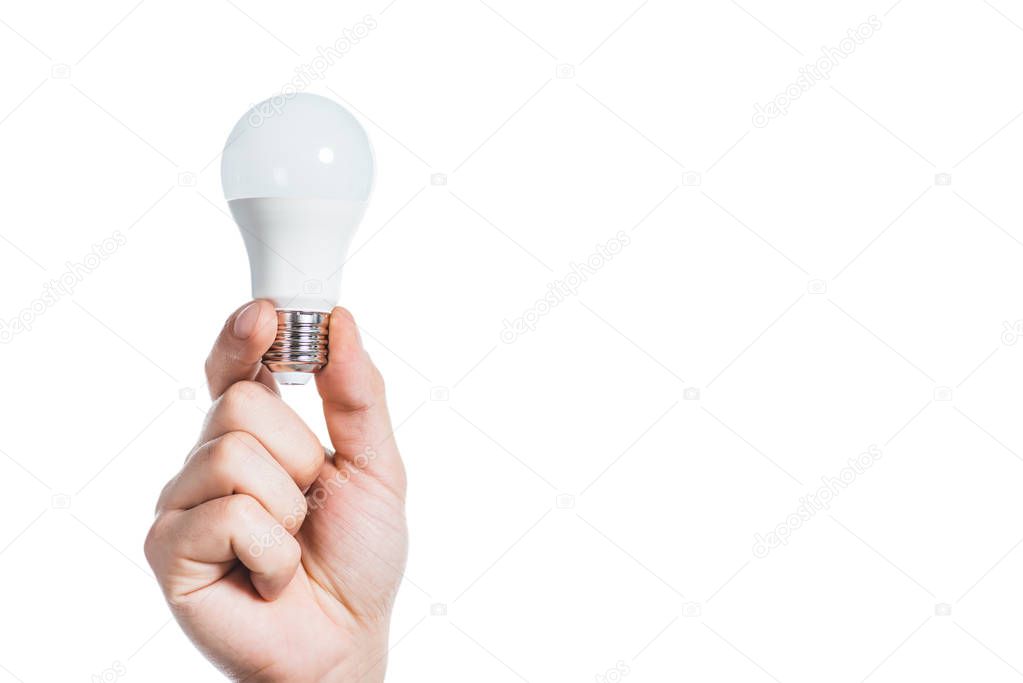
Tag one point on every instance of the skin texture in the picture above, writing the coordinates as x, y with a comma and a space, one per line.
281, 561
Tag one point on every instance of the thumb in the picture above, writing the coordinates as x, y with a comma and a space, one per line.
354, 404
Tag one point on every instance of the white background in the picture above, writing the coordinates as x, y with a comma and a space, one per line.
811, 281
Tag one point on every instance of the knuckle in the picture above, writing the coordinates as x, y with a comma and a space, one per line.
154, 540
244, 508
226, 455
239, 447
149, 546
161, 501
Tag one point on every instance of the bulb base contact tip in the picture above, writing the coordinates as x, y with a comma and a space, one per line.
300, 346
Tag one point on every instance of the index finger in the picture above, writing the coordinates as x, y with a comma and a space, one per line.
238, 352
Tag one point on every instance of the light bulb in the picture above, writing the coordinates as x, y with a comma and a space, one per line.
297, 173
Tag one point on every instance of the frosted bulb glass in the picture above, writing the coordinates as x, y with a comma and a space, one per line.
297, 173
304, 146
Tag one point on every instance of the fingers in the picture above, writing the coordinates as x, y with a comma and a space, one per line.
191, 549
251, 407
238, 351
238, 498
236, 463
355, 406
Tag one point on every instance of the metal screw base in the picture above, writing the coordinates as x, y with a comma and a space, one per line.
301, 344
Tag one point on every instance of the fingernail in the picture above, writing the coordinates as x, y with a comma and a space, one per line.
245, 323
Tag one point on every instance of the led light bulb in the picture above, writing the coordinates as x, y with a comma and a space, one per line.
297, 173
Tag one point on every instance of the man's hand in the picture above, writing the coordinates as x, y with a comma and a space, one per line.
279, 561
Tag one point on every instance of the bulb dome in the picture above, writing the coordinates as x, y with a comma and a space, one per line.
301, 146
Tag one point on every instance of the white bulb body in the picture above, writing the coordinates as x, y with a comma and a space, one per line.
297, 248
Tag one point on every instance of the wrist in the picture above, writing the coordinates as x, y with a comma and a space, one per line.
362, 660
365, 663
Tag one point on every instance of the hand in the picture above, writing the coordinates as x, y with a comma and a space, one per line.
279, 561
